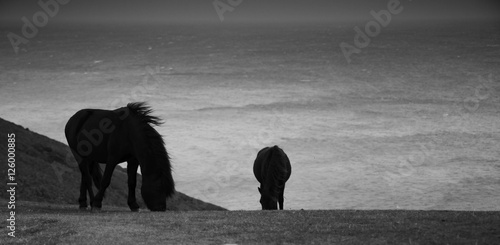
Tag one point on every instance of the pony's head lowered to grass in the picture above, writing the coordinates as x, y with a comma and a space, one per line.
157, 181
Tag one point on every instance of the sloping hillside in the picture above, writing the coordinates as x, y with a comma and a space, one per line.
47, 172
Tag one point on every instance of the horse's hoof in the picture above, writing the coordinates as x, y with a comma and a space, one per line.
83, 208
96, 210
134, 207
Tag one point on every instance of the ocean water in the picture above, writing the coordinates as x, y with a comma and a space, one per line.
410, 122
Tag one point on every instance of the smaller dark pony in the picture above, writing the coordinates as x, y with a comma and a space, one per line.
272, 169
114, 136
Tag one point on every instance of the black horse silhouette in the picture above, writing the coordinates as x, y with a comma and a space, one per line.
272, 169
111, 137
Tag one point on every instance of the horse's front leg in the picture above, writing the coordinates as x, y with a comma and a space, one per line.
106, 180
132, 166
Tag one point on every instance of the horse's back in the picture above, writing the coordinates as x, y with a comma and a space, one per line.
271, 156
92, 128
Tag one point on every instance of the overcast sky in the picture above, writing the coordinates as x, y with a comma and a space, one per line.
247, 10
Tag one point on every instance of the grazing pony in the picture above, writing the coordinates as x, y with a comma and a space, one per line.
114, 136
272, 169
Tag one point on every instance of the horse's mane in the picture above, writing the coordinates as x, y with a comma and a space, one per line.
143, 111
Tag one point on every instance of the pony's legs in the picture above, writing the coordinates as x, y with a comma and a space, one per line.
280, 198
106, 180
132, 166
96, 172
85, 184
83, 192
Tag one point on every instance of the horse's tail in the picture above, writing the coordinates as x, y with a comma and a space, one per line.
169, 180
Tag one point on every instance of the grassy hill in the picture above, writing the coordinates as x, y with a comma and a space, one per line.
47, 172
38, 223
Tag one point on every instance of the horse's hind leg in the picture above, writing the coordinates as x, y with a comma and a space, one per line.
132, 166
280, 198
96, 176
96, 172
83, 193
85, 184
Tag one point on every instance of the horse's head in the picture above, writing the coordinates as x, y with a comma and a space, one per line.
268, 200
153, 192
